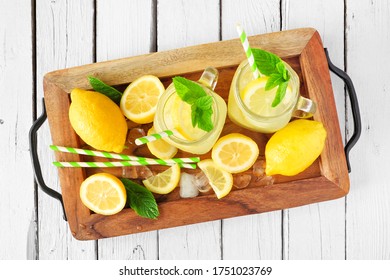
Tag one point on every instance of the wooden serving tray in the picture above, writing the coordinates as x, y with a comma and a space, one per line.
326, 179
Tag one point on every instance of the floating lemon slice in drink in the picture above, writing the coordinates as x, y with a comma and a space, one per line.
220, 180
259, 101
235, 152
182, 120
164, 182
139, 100
103, 193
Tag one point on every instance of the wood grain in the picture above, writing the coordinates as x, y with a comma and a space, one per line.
323, 225
130, 32
172, 62
200, 241
255, 236
326, 180
17, 218
368, 207
64, 39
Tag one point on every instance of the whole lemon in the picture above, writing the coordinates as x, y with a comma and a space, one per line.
294, 148
97, 120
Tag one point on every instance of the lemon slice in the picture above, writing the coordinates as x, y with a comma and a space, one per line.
181, 120
235, 152
139, 100
220, 180
164, 182
160, 148
103, 193
259, 101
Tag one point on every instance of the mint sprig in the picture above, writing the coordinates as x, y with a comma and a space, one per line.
272, 66
140, 199
201, 103
99, 86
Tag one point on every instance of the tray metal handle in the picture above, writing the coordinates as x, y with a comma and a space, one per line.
357, 123
35, 161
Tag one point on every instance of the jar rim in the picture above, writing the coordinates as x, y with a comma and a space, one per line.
169, 92
244, 66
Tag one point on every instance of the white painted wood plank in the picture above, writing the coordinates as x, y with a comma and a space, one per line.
125, 28
256, 236
180, 24
256, 17
17, 189
186, 23
317, 231
368, 57
64, 39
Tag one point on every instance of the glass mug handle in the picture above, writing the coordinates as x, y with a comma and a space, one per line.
209, 77
305, 108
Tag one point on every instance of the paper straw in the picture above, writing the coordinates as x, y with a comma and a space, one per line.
154, 137
248, 51
115, 164
122, 157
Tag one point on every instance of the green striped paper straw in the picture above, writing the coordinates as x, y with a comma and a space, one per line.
122, 157
248, 51
115, 164
154, 137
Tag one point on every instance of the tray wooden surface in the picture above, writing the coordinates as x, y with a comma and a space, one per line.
327, 178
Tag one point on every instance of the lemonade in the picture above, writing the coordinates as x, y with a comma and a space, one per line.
250, 105
175, 114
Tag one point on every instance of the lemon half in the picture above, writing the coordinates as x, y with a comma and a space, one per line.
235, 152
139, 100
103, 193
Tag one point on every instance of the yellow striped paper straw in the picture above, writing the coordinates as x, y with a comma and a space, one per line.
123, 157
248, 51
154, 137
116, 164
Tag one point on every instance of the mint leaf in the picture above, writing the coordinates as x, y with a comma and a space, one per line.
204, 102
188, 90
272, 66
265, 61
194, 115
273, 81
283, 71
205, 122
201, 103
99, 86
140, 199
280, 93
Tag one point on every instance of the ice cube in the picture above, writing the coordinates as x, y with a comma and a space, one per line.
258, 169
241, 181
266, 181
136, 172
202, 182
187, 186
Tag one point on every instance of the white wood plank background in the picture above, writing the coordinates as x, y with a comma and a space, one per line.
43, 35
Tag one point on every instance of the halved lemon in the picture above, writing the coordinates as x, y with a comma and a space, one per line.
235, 152
139, 100
220, 180
164, 182
103, 193
259, 101
160, 148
